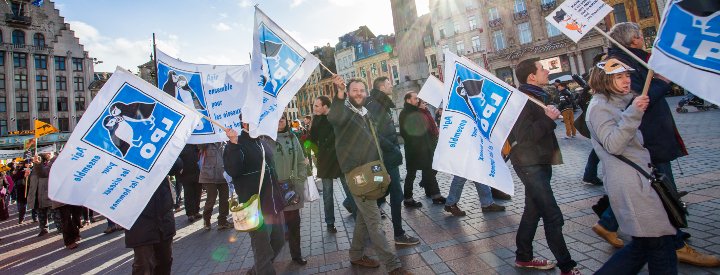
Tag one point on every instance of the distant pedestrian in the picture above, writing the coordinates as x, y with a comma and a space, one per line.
189, 179
211, 177
567, 108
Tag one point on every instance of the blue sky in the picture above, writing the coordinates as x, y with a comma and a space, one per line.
210, 31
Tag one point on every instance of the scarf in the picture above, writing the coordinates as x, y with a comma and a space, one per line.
430, 122
535, 92
362, 111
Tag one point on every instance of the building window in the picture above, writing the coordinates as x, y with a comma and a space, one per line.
59, 63
475, 43
21, 82
520, 6
442, 33
41, 82
20, 60
472, 22
22, 105
80, 103
23, 124
40, 61
427, 41
643, 7
395, 72
3, 104
79, 83
18, 37
498, 40
649, 35
552, 31
38, 40
77, 64
43, 103
493, 14
62, 104
505, 74
456, 27
2, 81
384, 66
18, 8
373, 69
524, 33
3, 127
60, 83
619, 13
460, 46
2, 55
362, 72
433, 61
63, 124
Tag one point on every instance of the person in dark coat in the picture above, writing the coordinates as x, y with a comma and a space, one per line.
567, 108
20, 177
420, 133
152, 234
188, 178
380, 105
242, 159
328, 168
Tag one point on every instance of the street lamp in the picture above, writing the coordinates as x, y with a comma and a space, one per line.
96, 61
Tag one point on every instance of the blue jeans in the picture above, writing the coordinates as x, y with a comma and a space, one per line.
540, 203
396, 199
657, 252
329, 201
456, 188
592, 166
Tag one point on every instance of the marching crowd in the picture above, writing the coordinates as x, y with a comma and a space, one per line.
355, 128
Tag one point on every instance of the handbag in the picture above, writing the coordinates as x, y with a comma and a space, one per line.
311, 192
674, 206
247, 216
369, 181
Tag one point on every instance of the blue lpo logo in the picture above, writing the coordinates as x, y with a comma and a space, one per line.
477, 97
279, 61
134, 127
186, 87
693, 37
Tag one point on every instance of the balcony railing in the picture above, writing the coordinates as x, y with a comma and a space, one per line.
521, 15
548, 5
497, 22
11, 18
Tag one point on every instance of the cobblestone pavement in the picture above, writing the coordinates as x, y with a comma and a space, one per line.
476, 244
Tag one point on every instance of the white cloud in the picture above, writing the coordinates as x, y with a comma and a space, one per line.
120, 51
221, 27
245, 3
345, 3
296, 3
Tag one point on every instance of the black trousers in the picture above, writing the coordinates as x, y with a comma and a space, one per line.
70, 217
42, 214
292, 219
153, 259
428, 182
192, 191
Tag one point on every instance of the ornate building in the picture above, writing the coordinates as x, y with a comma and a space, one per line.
319, 83
45, 70
409, 32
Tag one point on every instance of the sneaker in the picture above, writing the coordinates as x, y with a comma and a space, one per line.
454, 210
405, 239
331, 228
536, 263
574, 271
493, 208
412, 203
109, 230
440, 200
690, 256
609, 236
500, 195
43, 232
400, 271
366, 262
71, 246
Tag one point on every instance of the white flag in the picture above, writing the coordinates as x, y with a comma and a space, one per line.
432, 91
688, 50
279, 67
217, 91
480, 111
122, 148
575, 18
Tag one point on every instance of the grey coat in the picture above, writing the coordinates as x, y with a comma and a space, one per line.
290, 165
38, 187
636, 205
212, 167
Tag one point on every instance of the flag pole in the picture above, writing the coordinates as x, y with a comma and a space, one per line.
326, 68
155, 62
650, 74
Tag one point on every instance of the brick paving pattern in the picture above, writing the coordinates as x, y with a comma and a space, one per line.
480, 243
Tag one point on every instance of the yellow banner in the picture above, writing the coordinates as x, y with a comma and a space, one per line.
42, 128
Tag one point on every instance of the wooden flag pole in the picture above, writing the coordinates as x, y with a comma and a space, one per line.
326, 68
650, 74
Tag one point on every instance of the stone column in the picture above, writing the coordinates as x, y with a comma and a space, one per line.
581, 63
52, 94
10, 96
32, 88
573, 68
71, 92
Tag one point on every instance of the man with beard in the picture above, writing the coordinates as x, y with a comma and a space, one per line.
355, 146
322, 137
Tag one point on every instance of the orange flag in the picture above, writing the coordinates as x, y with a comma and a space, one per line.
42, 128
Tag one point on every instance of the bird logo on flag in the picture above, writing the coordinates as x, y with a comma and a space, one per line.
118, 126
471, 88
704, 13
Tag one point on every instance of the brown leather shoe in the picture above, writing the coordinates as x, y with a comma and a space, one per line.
400, 271
454, 210
690, 256
366, 262
610, 237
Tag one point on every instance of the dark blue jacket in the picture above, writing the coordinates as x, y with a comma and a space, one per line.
660, 135
379, 106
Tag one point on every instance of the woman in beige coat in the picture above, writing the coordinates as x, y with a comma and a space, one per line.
613, 119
